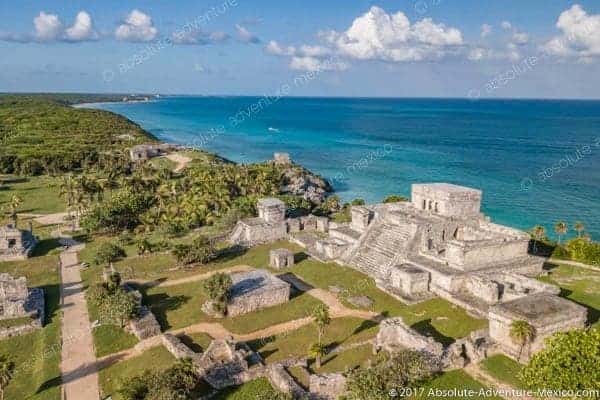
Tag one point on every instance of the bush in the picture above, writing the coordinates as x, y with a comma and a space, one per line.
391, 372
568, 362
394, 198
217, 289
122, 210
175, 383
584, 250
200, 251
107, 253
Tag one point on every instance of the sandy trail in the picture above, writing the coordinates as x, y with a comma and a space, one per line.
181, 160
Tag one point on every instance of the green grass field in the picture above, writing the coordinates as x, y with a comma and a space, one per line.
448, 386
40, 194
504, 369
579, 285
180, 306
247, 391
341, 331
112, 377
36, 355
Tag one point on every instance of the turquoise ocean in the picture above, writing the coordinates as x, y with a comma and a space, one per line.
537, 161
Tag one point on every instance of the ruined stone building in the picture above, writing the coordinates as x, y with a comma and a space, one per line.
19, 301
253, 290
144, 152
15, 244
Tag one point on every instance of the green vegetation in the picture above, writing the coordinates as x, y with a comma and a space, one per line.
201, 251
503, 369
406, 369
348, 359
584, 250
39, 194
110, 339
36, 356
321, 320
579, 285
113, 376
174, 383
569, 361
450, 381
217, 289
394, 198
259, 389
521, 333
341, 331
43, 136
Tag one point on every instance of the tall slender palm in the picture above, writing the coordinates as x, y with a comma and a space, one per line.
322, 319
521, 333
561, 228
538, 233
579, 227
68, 191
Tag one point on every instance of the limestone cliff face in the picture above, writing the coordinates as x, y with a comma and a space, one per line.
299, 181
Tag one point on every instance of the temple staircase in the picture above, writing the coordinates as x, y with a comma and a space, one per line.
380, 246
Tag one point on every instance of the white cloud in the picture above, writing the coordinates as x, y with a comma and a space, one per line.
48, 27
486, 30
198, 37
506, 25
274, 48
314, 64
377, 35
580, 35
484, 53
82, 28
520, 38
244, 35
137, 27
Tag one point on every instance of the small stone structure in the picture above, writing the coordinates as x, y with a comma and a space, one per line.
254, 290
281, 380
546, 313
327, 386
177, 348
224, 363
15, 244
18, 301
143, 152
269, 226
145, 324
281, 258
394, 335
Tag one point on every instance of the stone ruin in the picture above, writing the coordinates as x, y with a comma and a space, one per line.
394, 335
271, 224
546, 313
19, 301
281, 258
327, 386
253, 290
15, 244
145, 324
143, 152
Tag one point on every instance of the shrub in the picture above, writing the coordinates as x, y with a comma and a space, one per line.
394, 198
122, 210
107, 253
175, 383
200, 251
217, 289
568, 362
584, 250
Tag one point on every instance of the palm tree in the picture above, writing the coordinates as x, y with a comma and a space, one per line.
322, 319
6, 372
317, 351
521, 333
68, 190
561, 229
13, 207
579, 227
538, 233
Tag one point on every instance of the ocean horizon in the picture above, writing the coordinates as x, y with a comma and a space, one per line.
536, 161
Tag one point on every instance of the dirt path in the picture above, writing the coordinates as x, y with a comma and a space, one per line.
78, 362
181, 160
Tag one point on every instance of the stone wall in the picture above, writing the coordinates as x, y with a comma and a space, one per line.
255, 290
327, 386
176, 347
281, 380
446, 199
394, 334
470, 256
483, 289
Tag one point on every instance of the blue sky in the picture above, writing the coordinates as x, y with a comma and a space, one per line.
438, 48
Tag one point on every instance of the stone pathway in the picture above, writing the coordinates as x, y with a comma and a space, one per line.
78, 362
181, 160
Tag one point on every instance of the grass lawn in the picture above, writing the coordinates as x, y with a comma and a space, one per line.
180, 306
248, 391
579, 285
453, 380
36, 355
296, 343
111, 378
347, 359
300, 375
198, 342
163, 162
40, 194
109, 339
504, 369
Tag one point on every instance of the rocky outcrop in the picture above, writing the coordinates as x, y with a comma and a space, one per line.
299, 181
